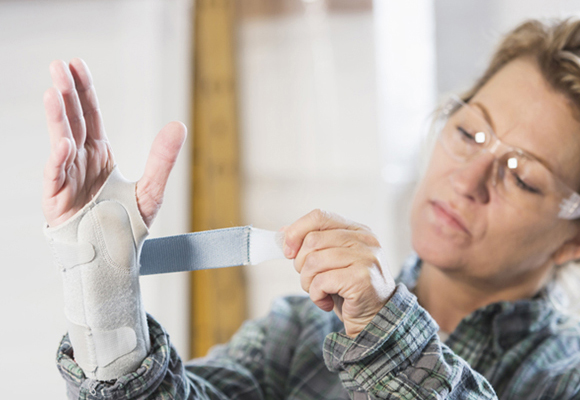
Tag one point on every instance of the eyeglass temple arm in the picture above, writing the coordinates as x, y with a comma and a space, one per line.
570, 207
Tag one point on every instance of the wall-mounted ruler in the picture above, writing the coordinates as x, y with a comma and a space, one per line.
218, 301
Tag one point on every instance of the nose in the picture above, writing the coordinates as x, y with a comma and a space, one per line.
471, 179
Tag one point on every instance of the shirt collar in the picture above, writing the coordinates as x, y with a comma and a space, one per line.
508, 322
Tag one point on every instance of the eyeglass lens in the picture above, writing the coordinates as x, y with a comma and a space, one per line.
519, 178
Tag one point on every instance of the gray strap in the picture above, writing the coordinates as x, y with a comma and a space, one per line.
218, 248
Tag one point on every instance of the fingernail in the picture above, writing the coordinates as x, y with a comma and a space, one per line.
287, 250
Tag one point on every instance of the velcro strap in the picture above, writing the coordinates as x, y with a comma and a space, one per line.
101, 348
110, 345
218, 248
69, 255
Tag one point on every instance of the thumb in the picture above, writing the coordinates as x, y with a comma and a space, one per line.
160, 162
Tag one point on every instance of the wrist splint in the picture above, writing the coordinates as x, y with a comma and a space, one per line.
101, 251
97, 251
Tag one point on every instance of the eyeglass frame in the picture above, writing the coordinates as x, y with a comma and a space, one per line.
569, 206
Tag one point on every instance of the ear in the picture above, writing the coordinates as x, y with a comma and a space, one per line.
569, 251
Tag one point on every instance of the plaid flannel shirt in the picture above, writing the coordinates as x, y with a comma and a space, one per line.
525, 350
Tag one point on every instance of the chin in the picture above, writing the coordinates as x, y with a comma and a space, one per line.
434, 248
434, 239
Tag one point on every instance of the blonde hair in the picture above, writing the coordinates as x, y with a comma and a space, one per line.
555, 47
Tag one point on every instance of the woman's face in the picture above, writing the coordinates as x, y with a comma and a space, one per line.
461, 224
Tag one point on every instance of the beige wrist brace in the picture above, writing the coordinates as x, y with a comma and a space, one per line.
97, 251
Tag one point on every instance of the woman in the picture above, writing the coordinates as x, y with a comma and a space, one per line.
476, 315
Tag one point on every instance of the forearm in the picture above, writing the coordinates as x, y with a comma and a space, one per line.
161, 375
398, 355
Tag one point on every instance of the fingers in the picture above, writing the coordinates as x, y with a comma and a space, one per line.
319, 240
339, 262
356, 294
159, 164
89, 103
316, 220
64, 83
321, 261
54, 171
58, 126
327, 284
163, 154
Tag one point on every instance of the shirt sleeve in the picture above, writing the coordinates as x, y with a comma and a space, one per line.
399, 356
163, 375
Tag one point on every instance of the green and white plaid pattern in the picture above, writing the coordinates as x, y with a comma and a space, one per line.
524, 350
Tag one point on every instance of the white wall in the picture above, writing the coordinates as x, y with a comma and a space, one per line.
467, 32
138, 52
308, 122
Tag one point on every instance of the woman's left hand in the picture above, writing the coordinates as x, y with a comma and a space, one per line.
341, 267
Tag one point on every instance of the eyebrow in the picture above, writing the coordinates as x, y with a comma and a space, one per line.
488, 119
485, 114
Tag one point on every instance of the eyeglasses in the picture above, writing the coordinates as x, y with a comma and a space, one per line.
519, 177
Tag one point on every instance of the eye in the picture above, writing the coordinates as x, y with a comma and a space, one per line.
479, 138
524, 186
466, 135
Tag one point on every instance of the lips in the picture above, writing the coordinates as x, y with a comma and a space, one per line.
445, 213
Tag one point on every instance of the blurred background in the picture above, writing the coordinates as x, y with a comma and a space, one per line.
291, 105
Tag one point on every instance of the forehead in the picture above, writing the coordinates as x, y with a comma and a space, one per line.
525, 112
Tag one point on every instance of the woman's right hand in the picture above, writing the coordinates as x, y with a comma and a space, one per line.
341, 266
81, 158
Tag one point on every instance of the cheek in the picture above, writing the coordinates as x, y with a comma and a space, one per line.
433, 176
521, 237
418, 211
430, 244
516, 243
417, 238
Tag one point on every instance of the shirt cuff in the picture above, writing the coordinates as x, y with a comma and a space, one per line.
399, 330
139, 383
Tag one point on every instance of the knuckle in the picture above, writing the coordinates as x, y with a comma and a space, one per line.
374, 240
311, 239
311, 262
355, 238
370, 237
374, 262
290, 235
91, 112
361, 273
319, 215
366, 228
76, 119
365, 274
315, 284
367, 239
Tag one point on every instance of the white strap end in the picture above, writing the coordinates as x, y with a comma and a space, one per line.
265, 245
